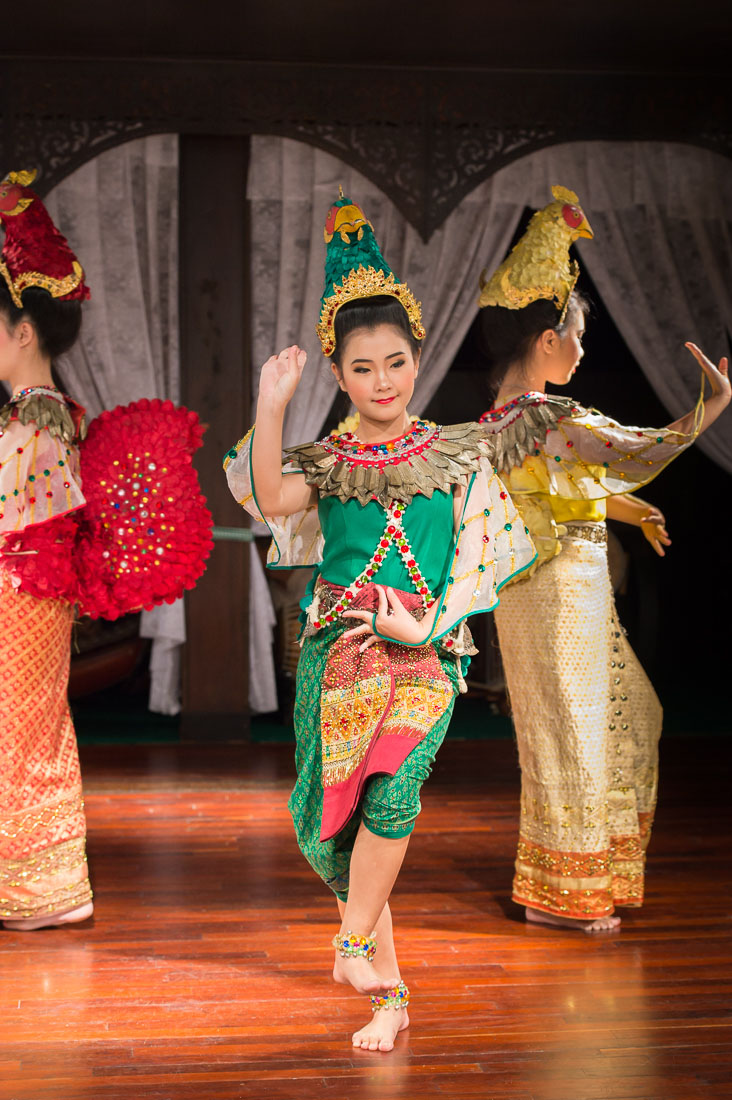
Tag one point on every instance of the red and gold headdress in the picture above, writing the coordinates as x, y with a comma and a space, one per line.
539, 265
34, 252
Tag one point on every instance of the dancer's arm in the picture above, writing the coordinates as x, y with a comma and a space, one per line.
277, 494
721, 392
651, 520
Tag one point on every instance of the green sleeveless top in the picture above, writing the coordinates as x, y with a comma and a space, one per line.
352, 532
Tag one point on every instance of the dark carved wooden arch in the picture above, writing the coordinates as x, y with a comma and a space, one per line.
425, 137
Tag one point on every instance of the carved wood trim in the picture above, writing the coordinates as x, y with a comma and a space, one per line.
426, 137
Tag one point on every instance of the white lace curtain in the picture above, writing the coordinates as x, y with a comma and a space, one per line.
120, 213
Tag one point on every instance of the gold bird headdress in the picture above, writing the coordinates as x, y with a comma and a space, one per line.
539, 265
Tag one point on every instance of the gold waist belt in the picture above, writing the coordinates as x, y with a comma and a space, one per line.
591, 532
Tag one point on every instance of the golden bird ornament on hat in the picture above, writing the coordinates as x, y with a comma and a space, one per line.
539, 266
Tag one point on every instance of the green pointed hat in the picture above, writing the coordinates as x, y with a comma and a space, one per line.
355, 268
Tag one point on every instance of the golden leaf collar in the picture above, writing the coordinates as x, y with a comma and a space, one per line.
519, 428
51, 413
426, 459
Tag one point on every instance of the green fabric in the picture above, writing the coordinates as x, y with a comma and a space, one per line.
341, 258
352, 532
390, 804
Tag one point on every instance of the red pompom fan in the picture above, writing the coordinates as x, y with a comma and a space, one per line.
145, 532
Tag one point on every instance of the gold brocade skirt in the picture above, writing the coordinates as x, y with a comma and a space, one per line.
587, 724
43, 866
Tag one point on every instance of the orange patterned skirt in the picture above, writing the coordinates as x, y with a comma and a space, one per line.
43, 868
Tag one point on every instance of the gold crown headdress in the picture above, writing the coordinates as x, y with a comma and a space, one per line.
355, 268
539, 266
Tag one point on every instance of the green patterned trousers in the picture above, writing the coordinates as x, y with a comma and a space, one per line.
390, 803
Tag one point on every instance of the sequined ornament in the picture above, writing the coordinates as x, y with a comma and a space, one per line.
395, 998
352, 946
539, 265
34, 253
355, 268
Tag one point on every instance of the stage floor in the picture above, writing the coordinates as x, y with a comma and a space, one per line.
205, 972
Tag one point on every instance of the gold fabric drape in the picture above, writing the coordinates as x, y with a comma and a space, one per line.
587, 723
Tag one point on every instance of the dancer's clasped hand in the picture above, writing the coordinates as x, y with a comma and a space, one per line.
392, 620
653, 526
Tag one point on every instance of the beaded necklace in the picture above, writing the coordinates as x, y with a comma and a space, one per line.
350, 449
50, 390
504, 410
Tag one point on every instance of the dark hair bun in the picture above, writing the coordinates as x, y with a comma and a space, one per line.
57, 323
508, 335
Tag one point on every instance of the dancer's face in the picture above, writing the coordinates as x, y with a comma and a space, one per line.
378, 370
567, 352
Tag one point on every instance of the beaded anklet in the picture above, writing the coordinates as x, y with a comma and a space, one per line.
394, 998
352, 947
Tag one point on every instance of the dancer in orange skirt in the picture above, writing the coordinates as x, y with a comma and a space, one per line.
57, 549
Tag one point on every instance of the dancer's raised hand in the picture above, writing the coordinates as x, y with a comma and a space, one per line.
280, 375
718, 376
276, 494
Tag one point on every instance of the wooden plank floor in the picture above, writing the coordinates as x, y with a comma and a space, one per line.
205, 971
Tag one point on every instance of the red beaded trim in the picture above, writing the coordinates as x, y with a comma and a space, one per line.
504, 410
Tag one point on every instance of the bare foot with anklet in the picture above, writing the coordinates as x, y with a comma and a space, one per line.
389, 1018
353, 965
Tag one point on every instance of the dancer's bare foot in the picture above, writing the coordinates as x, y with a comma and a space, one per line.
381, 1030
83, 912
599, 924
361, 974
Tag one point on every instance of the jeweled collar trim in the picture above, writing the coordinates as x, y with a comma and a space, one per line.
352, 451
421, 461
42, 391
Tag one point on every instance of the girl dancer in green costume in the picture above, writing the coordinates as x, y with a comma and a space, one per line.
411, 532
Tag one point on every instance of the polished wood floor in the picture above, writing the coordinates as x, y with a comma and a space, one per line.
204, 973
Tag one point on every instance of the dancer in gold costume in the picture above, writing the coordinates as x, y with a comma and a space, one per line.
587, 718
